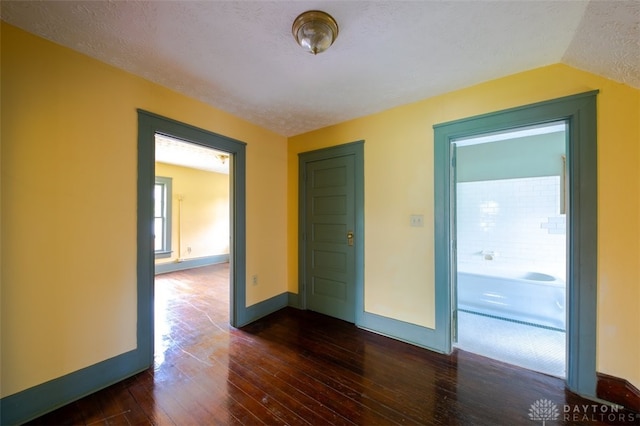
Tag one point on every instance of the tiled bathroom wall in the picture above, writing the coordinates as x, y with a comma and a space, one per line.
513, 224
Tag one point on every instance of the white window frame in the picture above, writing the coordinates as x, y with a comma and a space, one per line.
165, 214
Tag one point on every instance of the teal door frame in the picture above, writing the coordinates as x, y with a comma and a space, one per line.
579, 111
148, 125
357, 150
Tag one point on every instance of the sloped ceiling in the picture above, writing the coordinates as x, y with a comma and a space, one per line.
240, 56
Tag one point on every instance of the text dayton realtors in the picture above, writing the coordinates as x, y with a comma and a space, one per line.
597, 412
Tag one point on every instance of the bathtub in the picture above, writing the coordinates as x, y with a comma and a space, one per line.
531, 297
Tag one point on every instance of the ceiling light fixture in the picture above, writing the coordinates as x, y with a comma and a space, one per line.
315, 31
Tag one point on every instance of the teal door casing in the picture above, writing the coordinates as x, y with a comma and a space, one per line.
149, 125
579, 112
331, 227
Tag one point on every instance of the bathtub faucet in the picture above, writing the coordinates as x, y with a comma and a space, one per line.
488, 254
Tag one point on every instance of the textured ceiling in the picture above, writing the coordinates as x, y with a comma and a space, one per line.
173, 151
239, 56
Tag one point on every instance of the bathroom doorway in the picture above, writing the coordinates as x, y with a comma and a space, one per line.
510, 263
579, 113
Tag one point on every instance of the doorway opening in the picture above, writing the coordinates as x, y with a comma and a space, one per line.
149, 125
579, 113
191, 243
509, 213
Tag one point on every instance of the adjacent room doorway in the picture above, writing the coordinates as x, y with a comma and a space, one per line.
150, 125
192, 242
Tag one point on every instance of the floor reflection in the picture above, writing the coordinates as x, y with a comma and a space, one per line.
191, 307
300, 367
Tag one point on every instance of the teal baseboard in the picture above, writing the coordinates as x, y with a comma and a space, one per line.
33, 402
163, 268
395, 329
262, 309
294, 300
410, 333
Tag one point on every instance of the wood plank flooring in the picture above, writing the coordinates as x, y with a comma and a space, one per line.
302, 368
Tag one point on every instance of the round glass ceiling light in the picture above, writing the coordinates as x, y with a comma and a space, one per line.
315, 31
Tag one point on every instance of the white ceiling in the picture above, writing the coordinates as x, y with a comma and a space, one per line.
240, 56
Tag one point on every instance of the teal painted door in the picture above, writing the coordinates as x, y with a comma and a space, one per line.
329, 237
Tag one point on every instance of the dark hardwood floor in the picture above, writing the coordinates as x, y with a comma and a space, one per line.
299, 367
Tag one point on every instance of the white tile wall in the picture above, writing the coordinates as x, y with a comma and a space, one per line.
512, 224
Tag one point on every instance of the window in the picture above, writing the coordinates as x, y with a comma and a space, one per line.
162, 217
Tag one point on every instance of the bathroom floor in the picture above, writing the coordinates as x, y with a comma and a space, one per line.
534, 348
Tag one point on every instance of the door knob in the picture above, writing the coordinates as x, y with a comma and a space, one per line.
350, 238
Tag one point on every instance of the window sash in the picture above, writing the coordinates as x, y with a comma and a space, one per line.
162, 216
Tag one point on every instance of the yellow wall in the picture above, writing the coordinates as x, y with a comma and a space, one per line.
69, 176
399, 265
69, 129
202, 223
